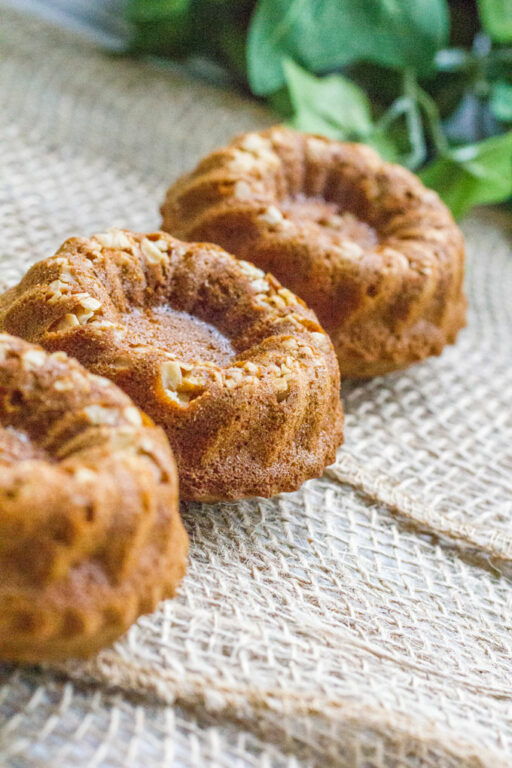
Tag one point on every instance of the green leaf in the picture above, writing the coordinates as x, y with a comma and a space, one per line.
384, 143
155, 10
473, 175
161, 26
214, 29
500, 101
331, 105
496, 16
326, 34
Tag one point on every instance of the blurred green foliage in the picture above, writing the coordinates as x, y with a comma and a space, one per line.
428, 83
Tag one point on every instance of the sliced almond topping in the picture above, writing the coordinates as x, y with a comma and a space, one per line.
302, 322
251, 367
66, 276
242, 161
56, 288
84, 316
234, 377
261, 286
274, 301
4, 349
152, 253
396, 258
181, 398
250, 270
119, 334
351, 250
147, 445
67, 322
335, 221
100, 414
179, 249
57, 285
170, 374
60, 356
33, 358
63, 385
272, 215
113, 238
242, 190
85, 475
288, 297
282, 389
123, 438
191, 384
321, 339
315, 148
253, 142
132, 414
101, 381
89, 302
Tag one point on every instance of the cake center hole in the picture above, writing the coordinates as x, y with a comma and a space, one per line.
187, 337
331, 220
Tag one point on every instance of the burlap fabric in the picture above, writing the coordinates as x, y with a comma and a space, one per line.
363, 621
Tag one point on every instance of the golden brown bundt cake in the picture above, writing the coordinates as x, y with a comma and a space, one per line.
235, 368
376, 255
90, 535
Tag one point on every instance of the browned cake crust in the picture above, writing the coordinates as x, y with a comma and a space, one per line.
90, 535
373, 252
234, 367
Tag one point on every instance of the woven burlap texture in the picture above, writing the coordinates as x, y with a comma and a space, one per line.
363, 621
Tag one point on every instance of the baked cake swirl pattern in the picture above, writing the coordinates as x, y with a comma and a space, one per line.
374, 253
90, 535
236, 368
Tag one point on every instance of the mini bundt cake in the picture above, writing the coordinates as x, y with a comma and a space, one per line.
90, 535
374, 253
236, 369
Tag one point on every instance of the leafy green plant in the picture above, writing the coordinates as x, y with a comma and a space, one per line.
428, 83
322, 34
473, 174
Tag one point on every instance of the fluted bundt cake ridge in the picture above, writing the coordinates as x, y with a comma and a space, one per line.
374, 253
236, 368
90, 535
